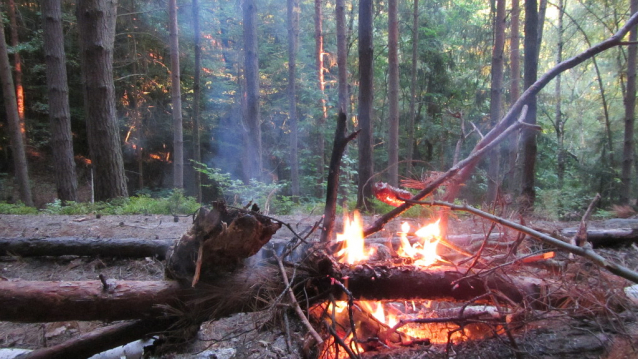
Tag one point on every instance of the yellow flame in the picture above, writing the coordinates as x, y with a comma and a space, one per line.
423, 252
352, 250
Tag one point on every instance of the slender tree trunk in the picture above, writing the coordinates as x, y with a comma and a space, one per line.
528, 191
393, 93
252, 117
293, 29
59, 110
96, 27
176, 99
321, 120
559, 123
415, 59
342, 57
197, 94
493, 183
13, 120
366, 52
17, 67
630, 110
515, 73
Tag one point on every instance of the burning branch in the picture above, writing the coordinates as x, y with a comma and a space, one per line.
586, 251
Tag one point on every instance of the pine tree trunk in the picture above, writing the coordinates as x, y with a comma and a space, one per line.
59, 111
321, 120
197, 152
13, 120
366, 84
252, 117
342, 57
513, 172
96, 28
630, 111
17, 67
558, 121
413, 76
293, 30
393, 93
493, 174
176, 99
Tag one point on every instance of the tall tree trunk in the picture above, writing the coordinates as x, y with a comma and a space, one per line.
321, 120
529, 136
176, 99
59, 110
17, 67
11, 107
630, 110
252, 117
197, 94
493, 183
364, 188
413, 76
293, 29
515, 72
342, 56
96, 28
559, 123
393, 93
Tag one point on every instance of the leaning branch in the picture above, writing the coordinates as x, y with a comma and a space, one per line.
586, 252
379, 223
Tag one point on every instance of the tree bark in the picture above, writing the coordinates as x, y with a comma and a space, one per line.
13, 120
513, 173
104, 247
252, 117
321, 120
366, 87
59, 111
197, 95
493, 173
559, 123
630, 111
393, 93
342, 57
293, 30
413, 76
176, 99
17, 67
96, 28
36, 301
528, 191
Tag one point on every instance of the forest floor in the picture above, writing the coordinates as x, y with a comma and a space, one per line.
237, 336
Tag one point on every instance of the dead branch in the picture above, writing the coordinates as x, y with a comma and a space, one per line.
332, 186
586, 252
379, 223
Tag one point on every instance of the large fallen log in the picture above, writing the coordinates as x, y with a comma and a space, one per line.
599, 237
105, 247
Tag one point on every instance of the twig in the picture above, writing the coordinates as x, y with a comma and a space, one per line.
379, 223
340, 341
295, 304
198, 264
585, 252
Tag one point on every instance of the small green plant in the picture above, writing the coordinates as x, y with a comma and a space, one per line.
16, 208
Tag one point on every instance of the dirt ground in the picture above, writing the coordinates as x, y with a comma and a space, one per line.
243, 335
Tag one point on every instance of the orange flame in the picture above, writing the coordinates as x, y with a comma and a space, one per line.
352, 249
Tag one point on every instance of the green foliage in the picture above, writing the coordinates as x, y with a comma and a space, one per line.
16, 208
412, 212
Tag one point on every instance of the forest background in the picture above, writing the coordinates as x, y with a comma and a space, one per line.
433, 95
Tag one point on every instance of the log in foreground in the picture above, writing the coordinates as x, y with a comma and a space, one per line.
43, 301
606, 237
105, 247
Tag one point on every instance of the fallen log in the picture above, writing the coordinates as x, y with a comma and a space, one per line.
105, 247
45, 301
599, 237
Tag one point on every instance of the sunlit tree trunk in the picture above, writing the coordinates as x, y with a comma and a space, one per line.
252, 117
58, 92
176, 99
528, 191
393, 93
197, 152
293, 29
364, 192
413, 76
11, 108
342, 56
96, 29
493, 174
630, 110
321, 120
17, 67
559, 123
